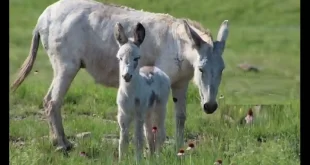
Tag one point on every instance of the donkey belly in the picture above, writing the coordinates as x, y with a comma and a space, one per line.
109, 78
102, 66
102, 75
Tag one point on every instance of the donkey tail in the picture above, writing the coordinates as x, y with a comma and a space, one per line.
28, 63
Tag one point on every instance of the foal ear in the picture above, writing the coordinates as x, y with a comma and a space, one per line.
138, 34
194, 37
222, 36
119, 34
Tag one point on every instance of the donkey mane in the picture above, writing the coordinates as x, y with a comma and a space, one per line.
119, 6
198, 26
193, 23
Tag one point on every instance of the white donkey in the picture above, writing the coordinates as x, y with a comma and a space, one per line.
79, 34
142, 94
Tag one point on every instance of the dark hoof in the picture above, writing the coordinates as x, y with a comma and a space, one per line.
65, 148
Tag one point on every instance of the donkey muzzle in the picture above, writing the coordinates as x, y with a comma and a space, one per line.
209, 108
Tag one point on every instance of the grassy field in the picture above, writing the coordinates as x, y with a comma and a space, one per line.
263, 33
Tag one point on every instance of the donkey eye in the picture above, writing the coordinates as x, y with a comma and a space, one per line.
136, 59
200, 69
120, 59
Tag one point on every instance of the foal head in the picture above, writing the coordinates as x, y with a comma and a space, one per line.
129, 51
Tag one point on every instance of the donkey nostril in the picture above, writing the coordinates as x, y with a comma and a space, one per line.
205, 106
210, 108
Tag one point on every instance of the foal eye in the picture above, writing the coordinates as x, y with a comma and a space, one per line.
136, 59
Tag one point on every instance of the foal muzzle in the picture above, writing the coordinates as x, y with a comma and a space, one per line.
127, 77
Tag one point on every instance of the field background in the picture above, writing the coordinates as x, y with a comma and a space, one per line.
264, 33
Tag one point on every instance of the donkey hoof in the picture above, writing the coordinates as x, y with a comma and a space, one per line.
60, 149
67, 147
70, 146
63, 149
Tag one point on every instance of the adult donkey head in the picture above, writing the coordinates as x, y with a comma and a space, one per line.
209, 64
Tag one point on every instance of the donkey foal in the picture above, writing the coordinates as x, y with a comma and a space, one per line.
142, 94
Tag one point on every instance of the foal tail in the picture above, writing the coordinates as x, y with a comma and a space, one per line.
28, 63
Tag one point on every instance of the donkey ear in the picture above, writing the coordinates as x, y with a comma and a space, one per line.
119, 34
138, 34
222, 36
194, 37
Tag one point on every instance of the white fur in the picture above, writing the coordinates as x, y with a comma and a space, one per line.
79, 34
144, 98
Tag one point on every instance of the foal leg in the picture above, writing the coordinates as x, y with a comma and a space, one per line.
124, 123
139, 137
159, 120
179, 98
148, 132
61, 84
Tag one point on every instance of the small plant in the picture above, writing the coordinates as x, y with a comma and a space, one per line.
181, 154
218, 162
249, 117
190, 148
154, 131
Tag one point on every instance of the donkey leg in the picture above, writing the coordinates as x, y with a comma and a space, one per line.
159, 121
139, 137
124, 123
46, 100
61, 84
148, 132
48, 97
179, 98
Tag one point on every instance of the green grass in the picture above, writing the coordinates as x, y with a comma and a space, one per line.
264, 33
